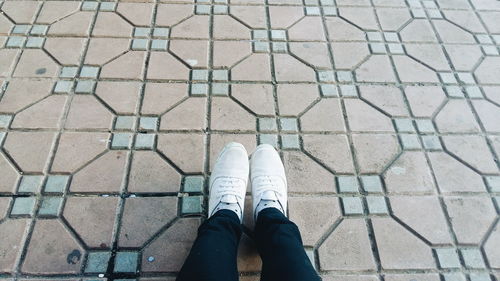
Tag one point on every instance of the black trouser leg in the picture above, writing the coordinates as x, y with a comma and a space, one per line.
280, 247
214, 252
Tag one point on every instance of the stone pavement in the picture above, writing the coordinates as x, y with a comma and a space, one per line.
386, 112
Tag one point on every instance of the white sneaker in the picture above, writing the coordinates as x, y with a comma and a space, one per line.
228, 182
267, 175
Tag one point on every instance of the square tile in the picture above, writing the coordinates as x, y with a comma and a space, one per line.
378, 48
107, 6
429, 4
328, 90
126, 262
35, 42
220, 75
348, 184
85, 87
410, 141
326, 76
473, 258
199, 74
396, 49
404, 125
425, 126
454, 276
261, 47
89, 6
454, 91
391, 37
220, 9
199, 89
125, 123
63, 87
39, 29
161, 32
374, 36
97, 262
493, 183
344, 76
474, 92
23, 206
260, 34
372, 184
220, 89
431, 143
279, 47
56, 183
435, 14
348, 91
479, 276
140, 44
269, 139
50, 206
267, 124
313, 11
193, 184
5, 120
418, 13
121, 141
148, 123
289, 124
490, 50
159, 45
448, 258
290, 142
145, 141
377, 205
68, 72
142, 31
277, 34
484, 39
352, 205
202, 9
20, 29
192, 205
448, 78
30, 184
466, 78
15, 42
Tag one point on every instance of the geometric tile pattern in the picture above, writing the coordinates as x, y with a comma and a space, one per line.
385, 114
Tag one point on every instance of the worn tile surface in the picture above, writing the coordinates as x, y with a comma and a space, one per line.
386, 114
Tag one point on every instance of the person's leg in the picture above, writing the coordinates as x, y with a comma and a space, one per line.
278, 239
214, 252
280, 247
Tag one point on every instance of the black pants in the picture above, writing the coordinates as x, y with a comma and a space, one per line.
213, 255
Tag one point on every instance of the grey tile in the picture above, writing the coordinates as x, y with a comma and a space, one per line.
126, 262
290, 142
50, 206
479, 276
145, 141
279, 47
378, 48
84, 87
192, 205
89, 71
448, 258
267, 124
148, 123
448, 78
473, 258
15, 42
142, 32
344, 76
432, 143
454, 276
474, 92
97, 262
313, 11
330, 11
377, 205
220, 9
56, 183
493, 183
372, 184
220, 75
269, 139
199, 74
89, 6
30, 184
410, 141
63, 87
140, 44
203, 9
193, 184
5, 120
121, 140
199, 89
220, 89
454, 91
107, 6
352, 205
39, 29
404, 125
425, 126
161, 32
348, 90
261, 47
396, 48
278, 34
374, 36
289, 124
159, 45
326, 76
35, 42
125, 123
260, 34
68, 72
20, 29
348, 184
391, 37
23, 206
328, 90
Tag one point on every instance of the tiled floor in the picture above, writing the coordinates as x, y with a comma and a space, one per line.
386, 112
